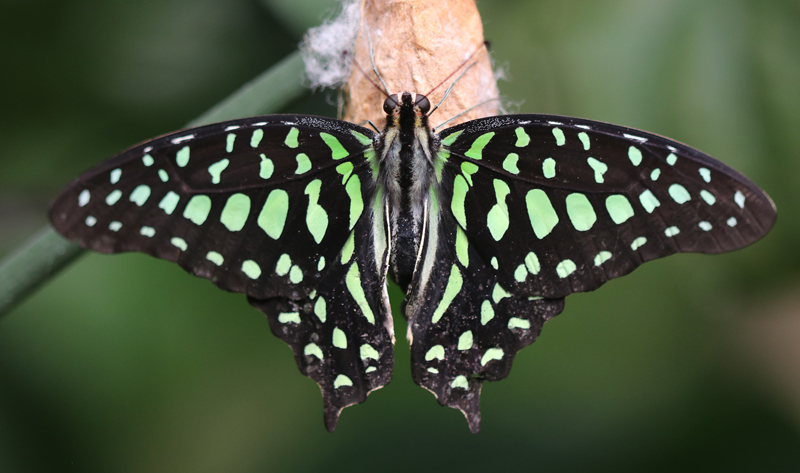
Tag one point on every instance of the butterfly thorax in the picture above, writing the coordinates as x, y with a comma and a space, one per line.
406, 147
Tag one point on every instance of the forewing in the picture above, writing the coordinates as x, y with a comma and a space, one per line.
263, 206
565, 205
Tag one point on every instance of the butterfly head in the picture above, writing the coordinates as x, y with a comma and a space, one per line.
406, 106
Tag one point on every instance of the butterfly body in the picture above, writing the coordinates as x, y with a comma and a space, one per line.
486, 226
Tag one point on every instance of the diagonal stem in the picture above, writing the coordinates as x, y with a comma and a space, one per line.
27, 267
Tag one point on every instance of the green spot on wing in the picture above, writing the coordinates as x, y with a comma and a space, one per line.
435, 353
353, 283
197, 209
291, 138
339, 338
491, 354
549, 168
522, 138
515, 322
255, 139
303, 164
460, 189
312, 349
468, 169
364, 140
635, 155
637, 243
649, 201
602, 257
216, 170
510, 163
462, 247
451, 138
321, 309
584, 140
342, 380
487, 312
558, 133
179, 242
182, 158
215, 258
272, 217
337, 150
679, 193
465, 341
140, 195
565, 268
168, 203
460, 382
266, 168
348, 248
251, 269
599, 168
234, 214
497, 218
283, 265
476, 150
619, 208
541, 213
580, 212
286, 317
454, 283
367, 351
231, 138
498, 293
532, 263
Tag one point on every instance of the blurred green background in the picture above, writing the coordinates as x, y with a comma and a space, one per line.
127, 364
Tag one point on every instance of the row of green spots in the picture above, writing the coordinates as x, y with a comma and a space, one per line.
672, 159
580, 212
635, 155
255, 139
312, 349
113, 197
321, 309
140, 195
705, 226
602, 257
179, 243
549, 168
462, 247
454, 284
273, 215
197, 209
303, 164
435, 353
229, 141
498, 293
216, 170
286, 317
510, 163
366, 351
637, 243
234, 214
476, 150
182, 158
497, 218
672, 231
465, 341
116, 174
339, 338
739, 198
491, 354
147, 231
169, 202
353, 283
460, 382
291, 138
147, 160
283, 265
708, 197
599, 169
565, 268
316, 216
515, 322
251, 269
679, 193
649, 201
584, 140
487, 312
619, 208
541, 213
558, 133
460, 188
266, 168
115, 226
215, 258
523, 139
337, 150
348, 248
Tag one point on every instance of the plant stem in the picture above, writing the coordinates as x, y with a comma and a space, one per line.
46, 253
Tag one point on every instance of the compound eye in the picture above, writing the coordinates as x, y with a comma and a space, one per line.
423, 104
389, 104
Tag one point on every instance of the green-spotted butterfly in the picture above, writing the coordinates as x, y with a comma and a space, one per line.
486, 226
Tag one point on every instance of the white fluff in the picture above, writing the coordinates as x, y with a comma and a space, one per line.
328, 49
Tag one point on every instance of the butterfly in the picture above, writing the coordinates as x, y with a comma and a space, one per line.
486, 226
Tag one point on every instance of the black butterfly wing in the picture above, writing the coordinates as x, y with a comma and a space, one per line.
566, 204
276, 207
535, 208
